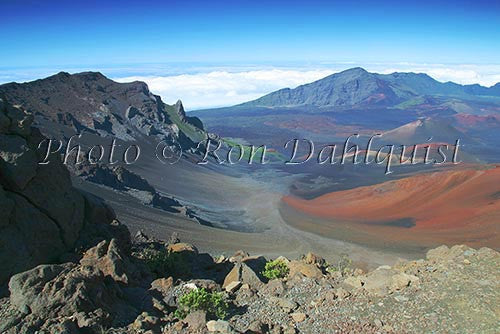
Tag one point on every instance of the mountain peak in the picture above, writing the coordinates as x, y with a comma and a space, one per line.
355, 70
90, 75
83, 75
91, 102
350, 87
358, 87
179, 109
62, 74
349, 73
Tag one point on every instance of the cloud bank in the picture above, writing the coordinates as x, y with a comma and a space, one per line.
219, 88
222, 88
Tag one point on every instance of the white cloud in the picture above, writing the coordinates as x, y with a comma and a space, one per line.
224, 88
486, 75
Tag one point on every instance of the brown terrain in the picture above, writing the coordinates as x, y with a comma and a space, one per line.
457, 206
69, 265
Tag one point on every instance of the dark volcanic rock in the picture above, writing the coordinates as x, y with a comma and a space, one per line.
44, 216
194, 121
91, 294
120, 178
91, 102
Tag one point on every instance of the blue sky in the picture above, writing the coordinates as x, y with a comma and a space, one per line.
48, 33
170, 38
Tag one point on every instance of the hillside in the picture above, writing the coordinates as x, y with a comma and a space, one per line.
421, 130
356, 86
454, 206
71, 103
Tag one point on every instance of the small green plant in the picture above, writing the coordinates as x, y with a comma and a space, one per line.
200, 299
343, 265
163, 262
275, 269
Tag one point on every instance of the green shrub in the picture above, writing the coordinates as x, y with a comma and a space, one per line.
275, 269
163, 262
200, 299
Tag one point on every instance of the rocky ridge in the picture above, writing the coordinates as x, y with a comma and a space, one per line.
90, 102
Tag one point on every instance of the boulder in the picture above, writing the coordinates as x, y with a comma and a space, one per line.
238, 256
30, 238
298, 316
382, 281
282, 259
244, 274
163, 285
353, 282
106, 258
274, 287
311, 258
95, 288
402, 280
378, 281
26, 288
52, 192
182, 247
302, 268
219, 326
145, 321
257, 263
233, 286
196, 320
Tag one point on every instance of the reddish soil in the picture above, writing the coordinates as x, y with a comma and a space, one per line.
475, 120
458, 206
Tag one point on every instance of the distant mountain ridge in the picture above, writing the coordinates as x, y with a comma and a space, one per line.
91, 102
356, 86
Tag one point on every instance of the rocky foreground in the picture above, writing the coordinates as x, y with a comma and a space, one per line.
69, 266
118, 288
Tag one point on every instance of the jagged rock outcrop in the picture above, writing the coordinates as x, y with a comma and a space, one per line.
194, 121
91, 294
72, 103
43, 216
120, 178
